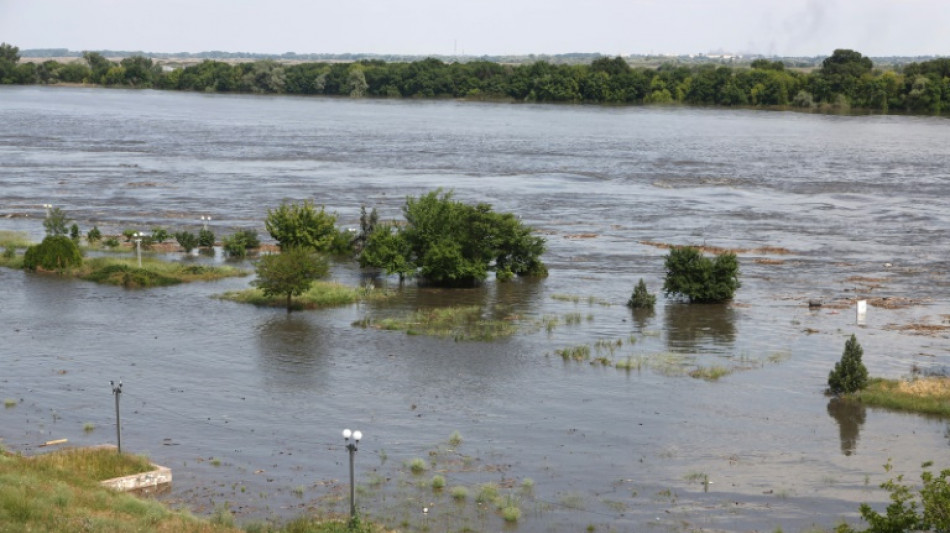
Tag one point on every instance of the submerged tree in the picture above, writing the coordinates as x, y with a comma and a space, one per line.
301, 226
449, 243
289, 273
697, 278
641, 298
55, 253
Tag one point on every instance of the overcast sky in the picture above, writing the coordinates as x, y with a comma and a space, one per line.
492, 27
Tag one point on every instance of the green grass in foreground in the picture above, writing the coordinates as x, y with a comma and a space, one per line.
60, 493
922, 395
94, 463
462, 323
47, 493
321, 294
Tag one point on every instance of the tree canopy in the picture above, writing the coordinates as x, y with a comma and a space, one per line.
289, 273
449, 243
846, 79
301, 225
691, 275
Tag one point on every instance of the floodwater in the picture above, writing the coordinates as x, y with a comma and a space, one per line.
247, 405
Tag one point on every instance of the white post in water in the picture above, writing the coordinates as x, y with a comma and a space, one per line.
861, 311
138, 246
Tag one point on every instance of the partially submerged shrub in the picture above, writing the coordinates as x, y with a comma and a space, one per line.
206, 238
697, 278
93, 235
641, 298
849, 375
160, 235
56, 252
187, 240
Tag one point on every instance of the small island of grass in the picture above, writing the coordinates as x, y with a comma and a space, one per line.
320, 294
924, 395
462, 323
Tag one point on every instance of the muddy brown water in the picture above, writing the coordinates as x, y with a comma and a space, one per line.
246, 405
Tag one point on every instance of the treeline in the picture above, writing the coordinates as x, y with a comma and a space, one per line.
845, 80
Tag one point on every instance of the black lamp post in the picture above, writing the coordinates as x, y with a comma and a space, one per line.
351, 447
116, 391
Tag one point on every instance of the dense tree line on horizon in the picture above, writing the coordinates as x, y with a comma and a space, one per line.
845, 80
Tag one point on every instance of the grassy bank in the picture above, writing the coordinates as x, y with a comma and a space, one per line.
321, 294
929, 395
60, 493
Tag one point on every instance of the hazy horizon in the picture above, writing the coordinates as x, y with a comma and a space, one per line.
795, 28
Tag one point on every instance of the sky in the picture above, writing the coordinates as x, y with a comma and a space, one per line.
484, 27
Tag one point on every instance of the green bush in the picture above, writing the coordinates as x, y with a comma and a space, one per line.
234, 246
905, 512
449, 243
206, 238
93, 235
302, 226
160, 235
56, 252
74, 233
250, 238
9, 252
849, 375
641, 298
111, 242
129, 234
239, 243
187, 240
699, 279
289, 273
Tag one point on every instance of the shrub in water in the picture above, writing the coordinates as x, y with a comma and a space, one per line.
94, 235
850, 374
159, 235
74, 233
187, 240
641, 298
699, 279
417, 466
206, 238
54, 253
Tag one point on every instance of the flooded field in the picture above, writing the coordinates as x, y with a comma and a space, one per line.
247, 405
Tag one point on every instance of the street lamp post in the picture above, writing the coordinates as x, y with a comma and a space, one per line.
204, 221
351, 447
116, 391
138, 246
48, 207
